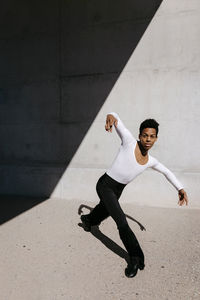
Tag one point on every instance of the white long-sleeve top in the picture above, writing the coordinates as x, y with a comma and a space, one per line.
125, 166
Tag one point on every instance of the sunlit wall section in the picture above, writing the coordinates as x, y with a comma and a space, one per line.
160, 80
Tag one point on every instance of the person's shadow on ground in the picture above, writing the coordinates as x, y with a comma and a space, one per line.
110, 244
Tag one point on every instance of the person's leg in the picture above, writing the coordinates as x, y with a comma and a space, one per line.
98, 214
130, 242
110, 200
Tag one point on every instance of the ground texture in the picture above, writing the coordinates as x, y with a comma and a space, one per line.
46, 255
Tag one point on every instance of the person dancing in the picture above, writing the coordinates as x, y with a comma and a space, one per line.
131, 160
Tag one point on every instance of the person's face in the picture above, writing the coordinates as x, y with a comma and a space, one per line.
147, 138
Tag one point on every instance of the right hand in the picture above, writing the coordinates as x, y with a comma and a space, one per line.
110, 120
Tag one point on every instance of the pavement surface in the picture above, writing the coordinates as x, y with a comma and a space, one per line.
46, 255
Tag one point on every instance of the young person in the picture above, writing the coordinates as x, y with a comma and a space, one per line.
131, 160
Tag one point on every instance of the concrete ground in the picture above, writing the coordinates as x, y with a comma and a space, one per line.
46, 255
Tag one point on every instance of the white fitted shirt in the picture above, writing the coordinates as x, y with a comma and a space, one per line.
125, 166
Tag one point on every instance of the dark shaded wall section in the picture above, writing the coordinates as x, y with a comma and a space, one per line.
58, 62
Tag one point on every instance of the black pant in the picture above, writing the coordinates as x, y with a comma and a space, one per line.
109, 192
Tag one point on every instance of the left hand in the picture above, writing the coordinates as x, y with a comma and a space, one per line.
183, 199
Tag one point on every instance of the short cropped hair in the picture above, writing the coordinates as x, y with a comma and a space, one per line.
149, 123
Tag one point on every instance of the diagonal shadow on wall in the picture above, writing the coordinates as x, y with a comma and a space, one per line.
59, 61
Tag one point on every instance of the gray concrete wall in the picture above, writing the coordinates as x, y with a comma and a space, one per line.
59, 60
29, 96
160, 80
65, 64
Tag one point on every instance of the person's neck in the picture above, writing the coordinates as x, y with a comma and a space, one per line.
143, 151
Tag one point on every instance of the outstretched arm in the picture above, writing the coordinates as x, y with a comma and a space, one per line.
122, 131
183, 199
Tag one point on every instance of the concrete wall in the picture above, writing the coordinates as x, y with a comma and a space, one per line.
160, 80
65, 64
59, 61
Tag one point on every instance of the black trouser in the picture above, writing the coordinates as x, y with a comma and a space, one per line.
109, 192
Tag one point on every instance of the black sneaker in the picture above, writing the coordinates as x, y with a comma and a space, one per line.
86, 223
135, 264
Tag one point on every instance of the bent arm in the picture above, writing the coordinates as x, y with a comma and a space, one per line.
168, 174
124, 134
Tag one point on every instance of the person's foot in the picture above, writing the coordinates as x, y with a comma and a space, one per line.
86, 223
132, 268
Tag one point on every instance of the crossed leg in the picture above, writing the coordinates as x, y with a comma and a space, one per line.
98, 214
